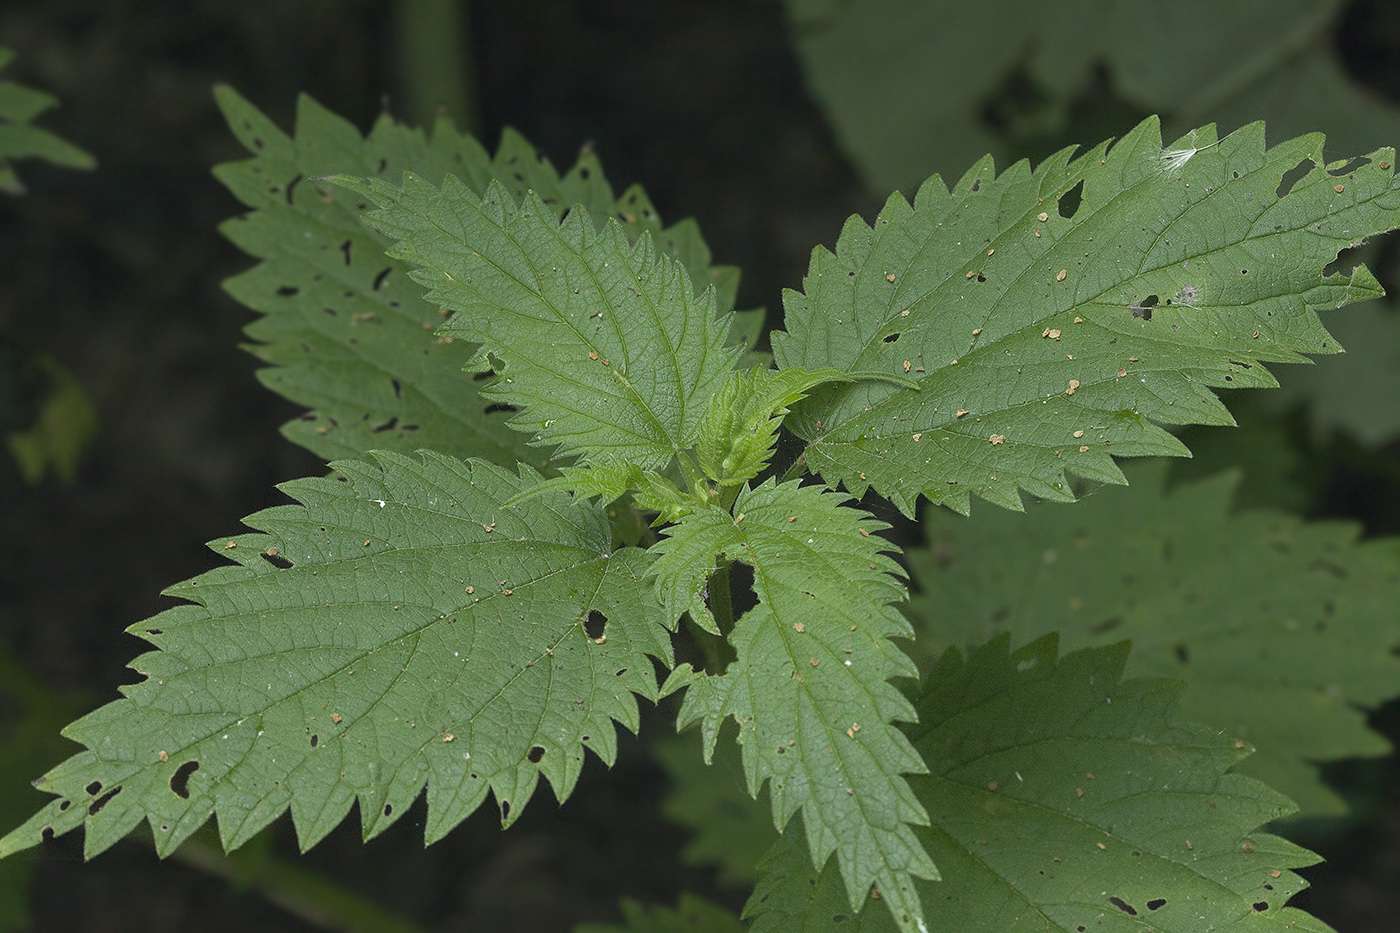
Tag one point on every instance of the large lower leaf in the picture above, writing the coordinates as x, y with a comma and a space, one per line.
810, 686
604, 345
913, 87
1056, 318
344, 330
1284, 629
1064, 799
392, 631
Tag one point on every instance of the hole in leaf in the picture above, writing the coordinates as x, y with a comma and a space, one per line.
345, 248
535, 754
180, 780
386, 426
891, 338
595, 624
155, 631
64, 805
1070, 200
102, 801
94, 788
499, 406
398, 389
1123, 906
1293, 176
1157, 903
1349, 166
47, 834
505, 810
388, 809
379, 279
741, 592
276, 559
1261, 906
315, 740
287, 291
291, 185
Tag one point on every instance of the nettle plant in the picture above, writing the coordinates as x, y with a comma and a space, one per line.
554, 447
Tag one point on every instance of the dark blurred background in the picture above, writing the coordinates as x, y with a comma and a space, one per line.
114, 274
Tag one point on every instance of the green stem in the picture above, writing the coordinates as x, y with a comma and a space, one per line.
798, 468
435, 66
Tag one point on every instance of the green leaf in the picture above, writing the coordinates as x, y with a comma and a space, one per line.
604, 346
734, 441
1283, 629
1065, 799
397, 629
810, 685
19, 105
908, 93
694, 915
344, 331
1050, 346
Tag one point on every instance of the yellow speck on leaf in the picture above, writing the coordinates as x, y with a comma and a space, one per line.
1060, 276
1042, 217
997, 438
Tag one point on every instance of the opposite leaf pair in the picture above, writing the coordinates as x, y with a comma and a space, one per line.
440, 622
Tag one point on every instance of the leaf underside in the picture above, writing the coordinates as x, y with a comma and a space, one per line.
343, 329
1056, 318
392, 631
1283, 629
810, 687
1063, 799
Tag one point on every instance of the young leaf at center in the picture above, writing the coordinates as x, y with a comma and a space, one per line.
810, 687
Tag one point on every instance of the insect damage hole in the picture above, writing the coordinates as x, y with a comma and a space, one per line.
535, 754
1293, 176
180, 780
345, 248
1143, 309
1123, 906
594, 626
275, 558
100, 802
1070, 200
